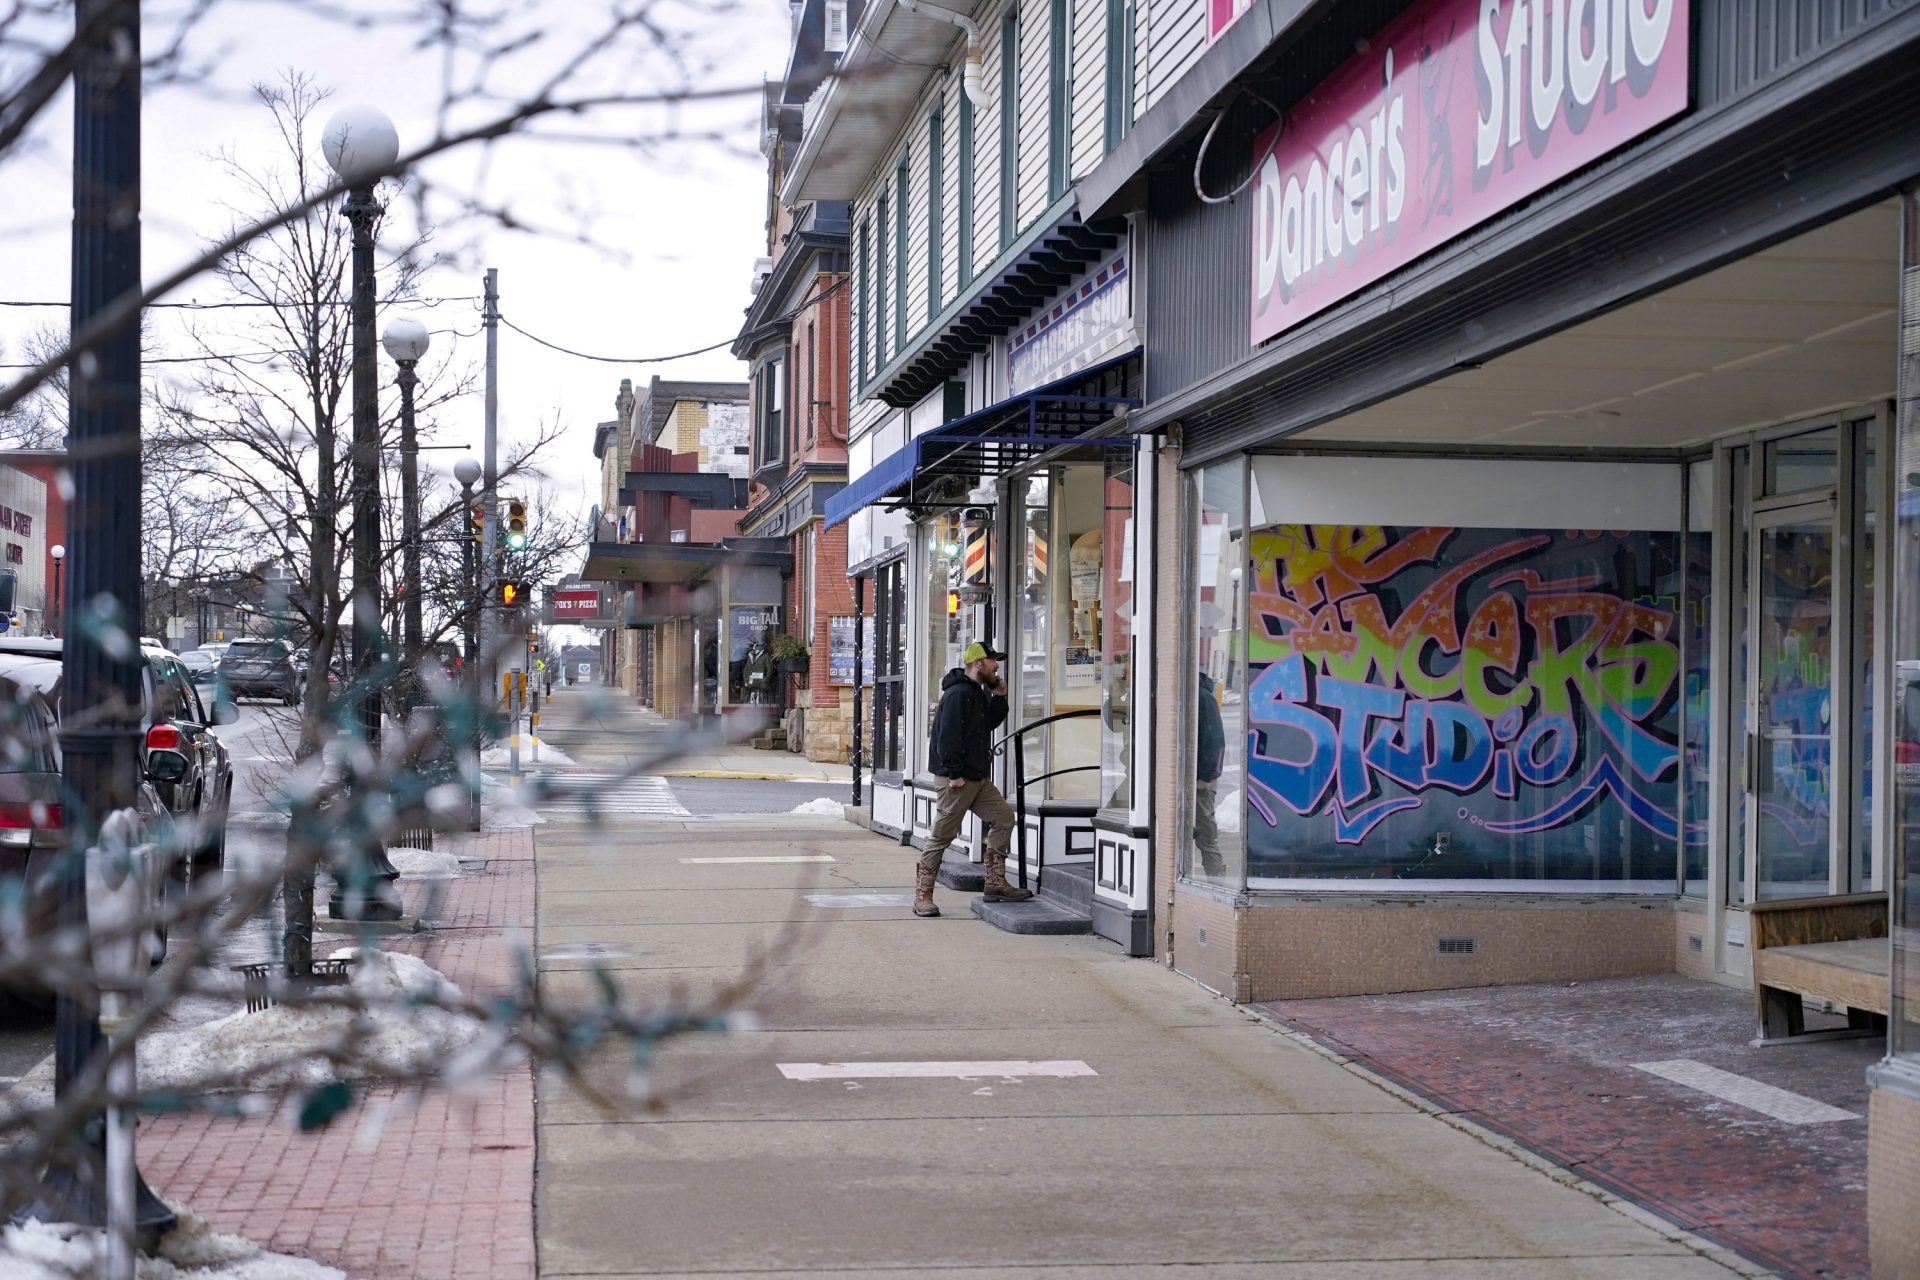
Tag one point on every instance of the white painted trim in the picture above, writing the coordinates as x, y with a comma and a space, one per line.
1743, 1091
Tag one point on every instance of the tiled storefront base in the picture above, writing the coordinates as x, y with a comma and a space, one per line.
1306, 949
1893, 1183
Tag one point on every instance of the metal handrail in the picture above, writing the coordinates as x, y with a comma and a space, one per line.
1020, 780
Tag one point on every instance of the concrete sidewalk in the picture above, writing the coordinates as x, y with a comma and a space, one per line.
1181, 1133
604, 728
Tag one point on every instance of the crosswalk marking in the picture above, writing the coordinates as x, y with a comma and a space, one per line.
609, 794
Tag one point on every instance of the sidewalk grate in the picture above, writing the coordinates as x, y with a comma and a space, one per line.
259, 980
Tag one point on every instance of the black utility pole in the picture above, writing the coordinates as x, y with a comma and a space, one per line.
100, 712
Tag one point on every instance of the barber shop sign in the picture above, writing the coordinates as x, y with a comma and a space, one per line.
1456, 111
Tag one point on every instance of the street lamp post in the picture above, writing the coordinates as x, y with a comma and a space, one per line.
59, 554
406, 340
360, 145
100, 732
468, 473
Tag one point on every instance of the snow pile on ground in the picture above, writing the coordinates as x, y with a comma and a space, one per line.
39, 1251
501, 807
498, 757
282, 1044
423, 864
822, 807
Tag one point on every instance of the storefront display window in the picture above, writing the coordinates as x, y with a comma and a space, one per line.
750, 676
1458, 701
1696, 710
1073, 659
889, 666
1216, 746
1116, 637
946, 615
1903, 874
1031, 616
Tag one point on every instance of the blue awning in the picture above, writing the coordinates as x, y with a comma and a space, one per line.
995, 440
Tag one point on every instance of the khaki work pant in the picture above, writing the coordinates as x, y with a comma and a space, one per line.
984, 801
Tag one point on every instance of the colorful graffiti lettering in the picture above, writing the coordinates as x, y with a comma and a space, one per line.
1531, 676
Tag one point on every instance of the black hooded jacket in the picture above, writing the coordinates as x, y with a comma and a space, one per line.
961, 745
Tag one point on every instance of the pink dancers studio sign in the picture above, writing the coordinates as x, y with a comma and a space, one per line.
1459, 109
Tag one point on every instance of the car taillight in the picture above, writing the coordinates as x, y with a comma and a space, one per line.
1906, 753
163, 737
18, 822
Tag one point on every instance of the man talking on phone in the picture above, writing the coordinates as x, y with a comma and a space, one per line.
973, 703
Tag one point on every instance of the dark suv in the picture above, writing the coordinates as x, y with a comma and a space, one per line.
261, 669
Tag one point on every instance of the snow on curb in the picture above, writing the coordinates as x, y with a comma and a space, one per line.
823, 807
423, 864
499, 758
192, 1251
283, 1044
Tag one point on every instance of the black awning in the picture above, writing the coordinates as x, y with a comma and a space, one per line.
995, 440
701, 488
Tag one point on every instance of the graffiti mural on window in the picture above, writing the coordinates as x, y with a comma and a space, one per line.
1487, 703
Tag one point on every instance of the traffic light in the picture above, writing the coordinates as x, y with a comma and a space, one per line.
510, 594
479, 521
516, 524
533, 645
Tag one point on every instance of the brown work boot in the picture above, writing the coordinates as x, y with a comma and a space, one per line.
923, 892
997, 888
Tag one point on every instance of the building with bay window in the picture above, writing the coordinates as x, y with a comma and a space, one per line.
795, 344
993, 491
693, 604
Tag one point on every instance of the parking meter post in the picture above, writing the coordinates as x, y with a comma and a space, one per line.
515, 686
120, 881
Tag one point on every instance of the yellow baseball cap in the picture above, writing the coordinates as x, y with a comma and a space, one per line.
978, 650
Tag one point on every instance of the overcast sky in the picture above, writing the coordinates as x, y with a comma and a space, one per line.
675, 232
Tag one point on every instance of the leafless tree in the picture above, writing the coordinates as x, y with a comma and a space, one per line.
256, 430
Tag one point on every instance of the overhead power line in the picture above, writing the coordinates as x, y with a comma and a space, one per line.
820, 297
278, 306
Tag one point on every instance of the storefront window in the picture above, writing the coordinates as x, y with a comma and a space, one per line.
889, 665
1031, 616
946, 615
1116, 637
1073, 659
1696, 710
750, 676
1903, 873
1490, 696
1739, 494
1216, 557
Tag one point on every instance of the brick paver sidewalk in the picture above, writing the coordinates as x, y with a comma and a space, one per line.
445, 1187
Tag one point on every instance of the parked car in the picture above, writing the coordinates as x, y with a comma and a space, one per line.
201, 666
261, 669
174, 719
32, 816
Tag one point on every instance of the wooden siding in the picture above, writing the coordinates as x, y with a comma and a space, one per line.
1089, 105
1032, 185
950, 192
918, 225
986, 161
1176, 37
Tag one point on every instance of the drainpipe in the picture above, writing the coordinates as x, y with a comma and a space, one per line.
971, 80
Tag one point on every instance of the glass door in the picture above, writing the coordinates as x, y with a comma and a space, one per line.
1792, 714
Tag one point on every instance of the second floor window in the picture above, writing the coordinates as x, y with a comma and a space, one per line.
771, 448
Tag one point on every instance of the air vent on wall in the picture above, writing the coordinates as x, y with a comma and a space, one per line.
1200, 936
1693, 943
1456, 946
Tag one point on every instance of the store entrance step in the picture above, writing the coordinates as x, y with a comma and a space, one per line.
958, 873
1037, 915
